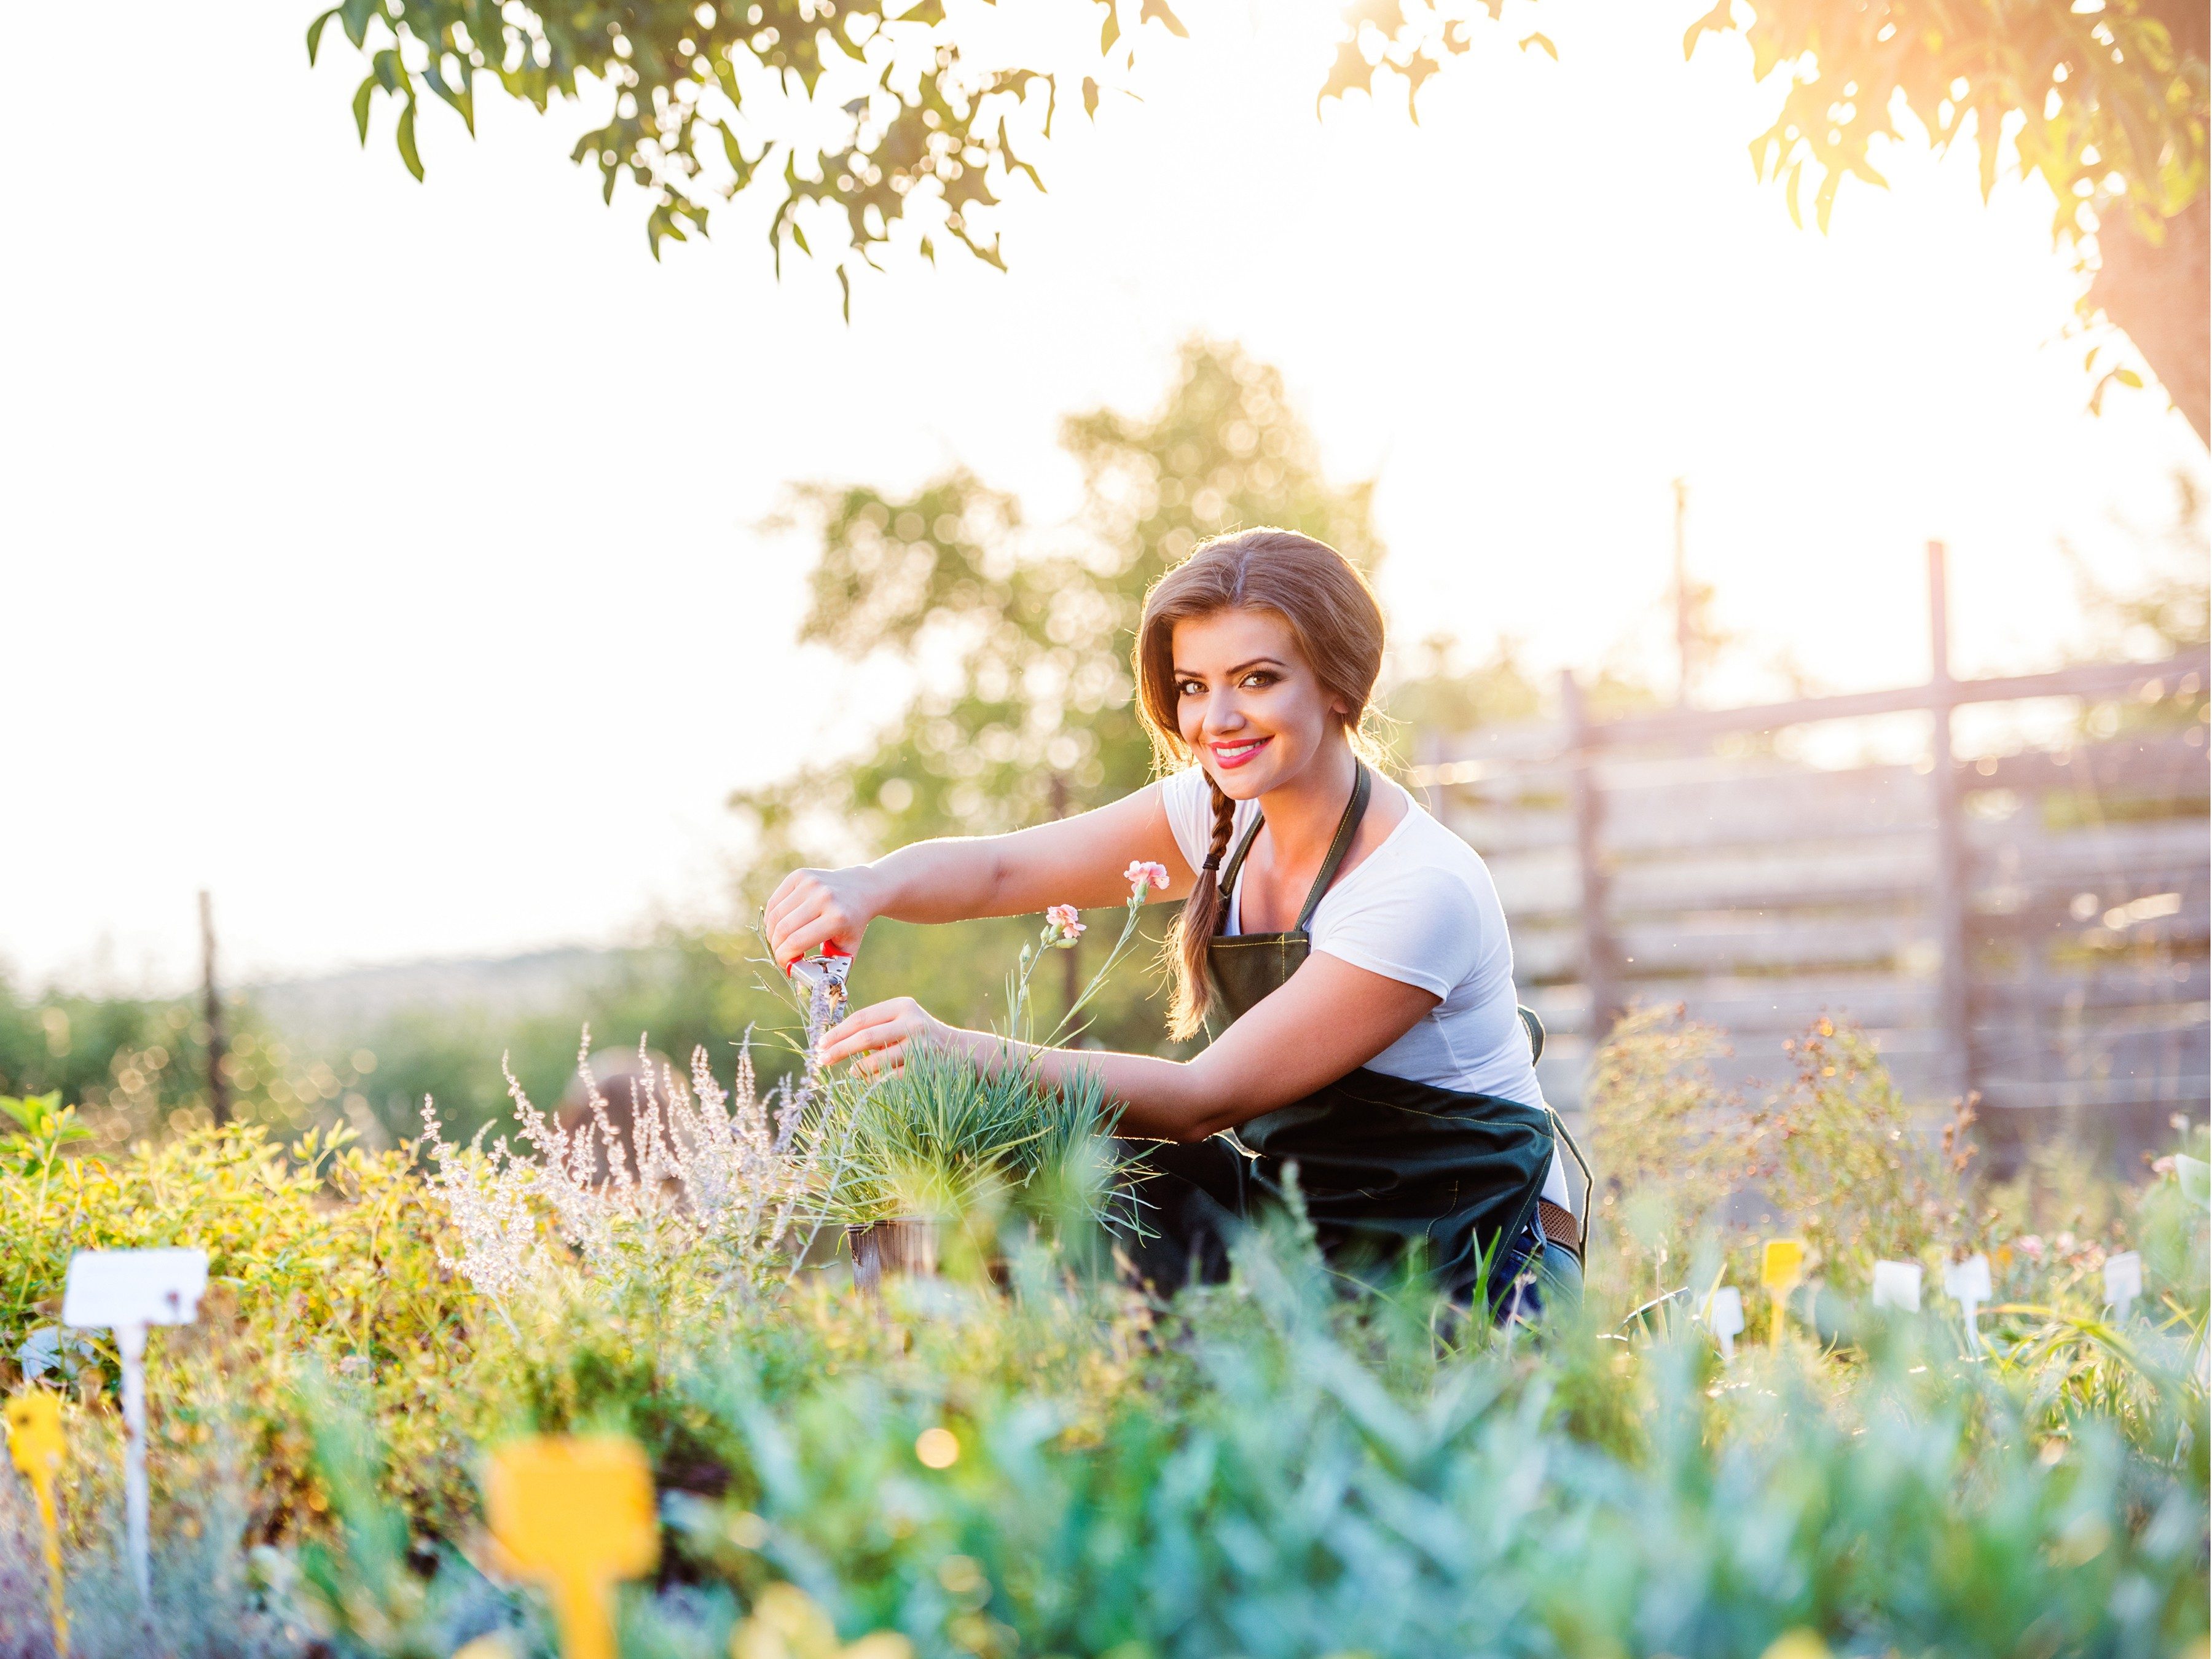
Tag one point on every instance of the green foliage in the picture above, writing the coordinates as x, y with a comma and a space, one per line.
322, 1249
1271, 1467
1258, 1475
705, 95
2108, 104
138, 1066
1833, 1156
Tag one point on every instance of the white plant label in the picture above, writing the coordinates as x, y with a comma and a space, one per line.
1897, 1285
1967, 1283
126, 1291
115, 1288
1725, 1318
2122, 1281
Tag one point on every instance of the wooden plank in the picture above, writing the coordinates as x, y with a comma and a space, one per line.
2129, 925
2017, 849
2005, 1093
1812, 805
1562, 1073
1565, 1009
1546, 954
1789, 1004
1543, 882
1494, 831
1762, 939
1887, 869
2148, 765
2086, 680
2117, 985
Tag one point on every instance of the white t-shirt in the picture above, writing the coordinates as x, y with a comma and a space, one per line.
1421, 909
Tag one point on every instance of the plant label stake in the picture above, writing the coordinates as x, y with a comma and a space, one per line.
126, 1291
1781, 1266
34, 1441
1897, 1285
824, 978
2123, 1282
1967, 1283
577, 1514
1725, 1318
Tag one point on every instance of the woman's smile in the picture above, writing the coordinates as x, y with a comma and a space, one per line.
1230, 756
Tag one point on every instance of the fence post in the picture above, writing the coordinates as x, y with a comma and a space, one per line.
1600, 976
1954, 1003
218, 1045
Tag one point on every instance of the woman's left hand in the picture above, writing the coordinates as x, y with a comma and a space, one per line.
875, 1038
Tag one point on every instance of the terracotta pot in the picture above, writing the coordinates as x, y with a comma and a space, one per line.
889, 1249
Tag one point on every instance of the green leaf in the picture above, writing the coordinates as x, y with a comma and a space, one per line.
2127, 377
315, 34
929, 11
1110, 31
1090, 97
363, 93
407, 151
845, 283
1543, 40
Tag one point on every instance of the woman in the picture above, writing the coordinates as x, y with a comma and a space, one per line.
1348, 952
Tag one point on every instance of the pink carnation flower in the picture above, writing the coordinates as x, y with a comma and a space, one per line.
1067, 919
1141, 872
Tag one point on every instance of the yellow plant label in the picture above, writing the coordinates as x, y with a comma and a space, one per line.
577, 1514
36, 1445
1780, 1265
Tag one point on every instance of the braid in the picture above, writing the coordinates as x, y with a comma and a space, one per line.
1203, 914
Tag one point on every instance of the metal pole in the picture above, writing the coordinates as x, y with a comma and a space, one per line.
1954, 1005
1600, 974
218, 1046
1682, 643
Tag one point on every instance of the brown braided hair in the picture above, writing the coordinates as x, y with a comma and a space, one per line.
1332, 615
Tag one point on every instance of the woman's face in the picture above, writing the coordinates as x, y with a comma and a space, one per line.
1248, 702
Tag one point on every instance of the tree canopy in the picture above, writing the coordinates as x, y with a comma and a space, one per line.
2105, 101
875, 109
1019, 641
884, 113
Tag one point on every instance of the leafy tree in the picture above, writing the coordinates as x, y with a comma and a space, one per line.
872, 103
1036, 714
1021, 645
2104, 99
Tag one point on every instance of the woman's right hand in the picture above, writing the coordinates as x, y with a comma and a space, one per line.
812, 907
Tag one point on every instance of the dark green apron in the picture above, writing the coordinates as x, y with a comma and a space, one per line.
1382, 1162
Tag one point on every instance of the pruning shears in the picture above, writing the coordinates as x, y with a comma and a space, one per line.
823, 976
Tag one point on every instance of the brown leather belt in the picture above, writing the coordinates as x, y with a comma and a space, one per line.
1560, 1225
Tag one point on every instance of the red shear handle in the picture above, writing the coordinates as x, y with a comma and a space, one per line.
831, 952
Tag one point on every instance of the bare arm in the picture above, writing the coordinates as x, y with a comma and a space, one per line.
1077, 861
1327, 1019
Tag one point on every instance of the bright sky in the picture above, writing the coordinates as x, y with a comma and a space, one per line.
383, 556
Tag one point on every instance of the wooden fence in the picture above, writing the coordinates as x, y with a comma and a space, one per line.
2027, 924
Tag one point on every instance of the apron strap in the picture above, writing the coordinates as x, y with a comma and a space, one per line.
1346, 828
1362, 785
